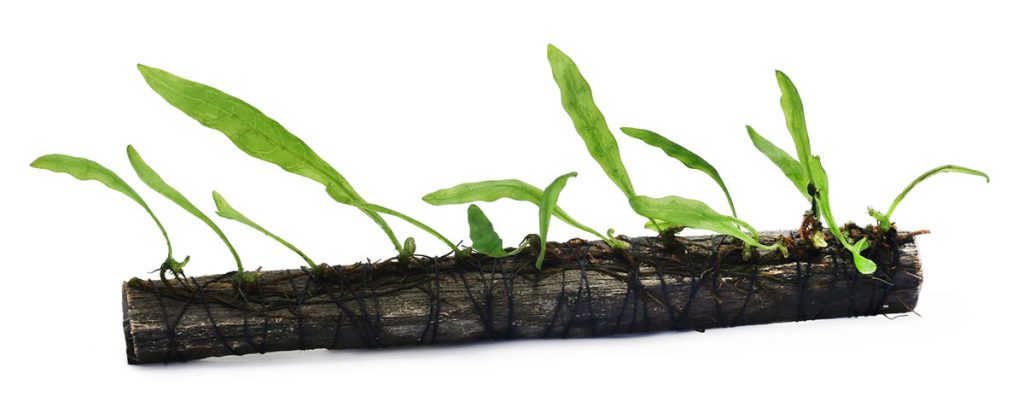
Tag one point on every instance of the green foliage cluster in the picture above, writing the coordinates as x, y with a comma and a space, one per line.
263, 138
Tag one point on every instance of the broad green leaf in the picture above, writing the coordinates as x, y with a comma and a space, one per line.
883, 220
793, 108
481, 232
820, 179
548, 203
792, 168
684, 155
224, 209
491, 190
85, 169
256, 134
578, 101
677, 211
155, 182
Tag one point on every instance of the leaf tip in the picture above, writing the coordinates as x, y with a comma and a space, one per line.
38, 162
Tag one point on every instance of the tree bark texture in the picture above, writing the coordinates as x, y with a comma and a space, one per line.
584, 289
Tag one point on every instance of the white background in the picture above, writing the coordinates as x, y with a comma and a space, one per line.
405, 98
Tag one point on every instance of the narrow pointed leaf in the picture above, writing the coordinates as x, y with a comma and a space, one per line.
793, 108
224, 209
949, 168
792, 168
684, 155
155, 182
548, 203
578, 101
481, 232
491, 190
256, 134
85, 169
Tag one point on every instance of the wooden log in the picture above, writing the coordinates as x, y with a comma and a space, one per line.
584, 289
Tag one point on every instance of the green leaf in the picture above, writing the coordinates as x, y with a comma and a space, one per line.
793, 108
820, 179
684, 155
547, 206
154, 181
677, 211
85, 169
883, 220
792, 168
481, 232
578, 101
224, 209
491, 190
256, 134
412, 221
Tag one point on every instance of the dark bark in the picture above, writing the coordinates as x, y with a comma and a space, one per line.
585, 289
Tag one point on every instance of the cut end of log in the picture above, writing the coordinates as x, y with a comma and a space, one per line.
128, 339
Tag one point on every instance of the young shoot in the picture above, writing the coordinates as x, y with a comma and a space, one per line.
85, 169
884, 219
155, 182
261, 137
225, 210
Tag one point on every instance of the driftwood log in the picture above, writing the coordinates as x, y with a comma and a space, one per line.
584, 289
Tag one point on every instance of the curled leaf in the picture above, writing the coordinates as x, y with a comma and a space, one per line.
684, 155
224, 209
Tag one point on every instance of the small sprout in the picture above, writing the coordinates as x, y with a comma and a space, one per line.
85, 169
155, 182
408, 249
547, 206
225, 210
818, 239
261, 137
884, 219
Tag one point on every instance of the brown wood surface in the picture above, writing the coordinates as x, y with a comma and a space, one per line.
584, 289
